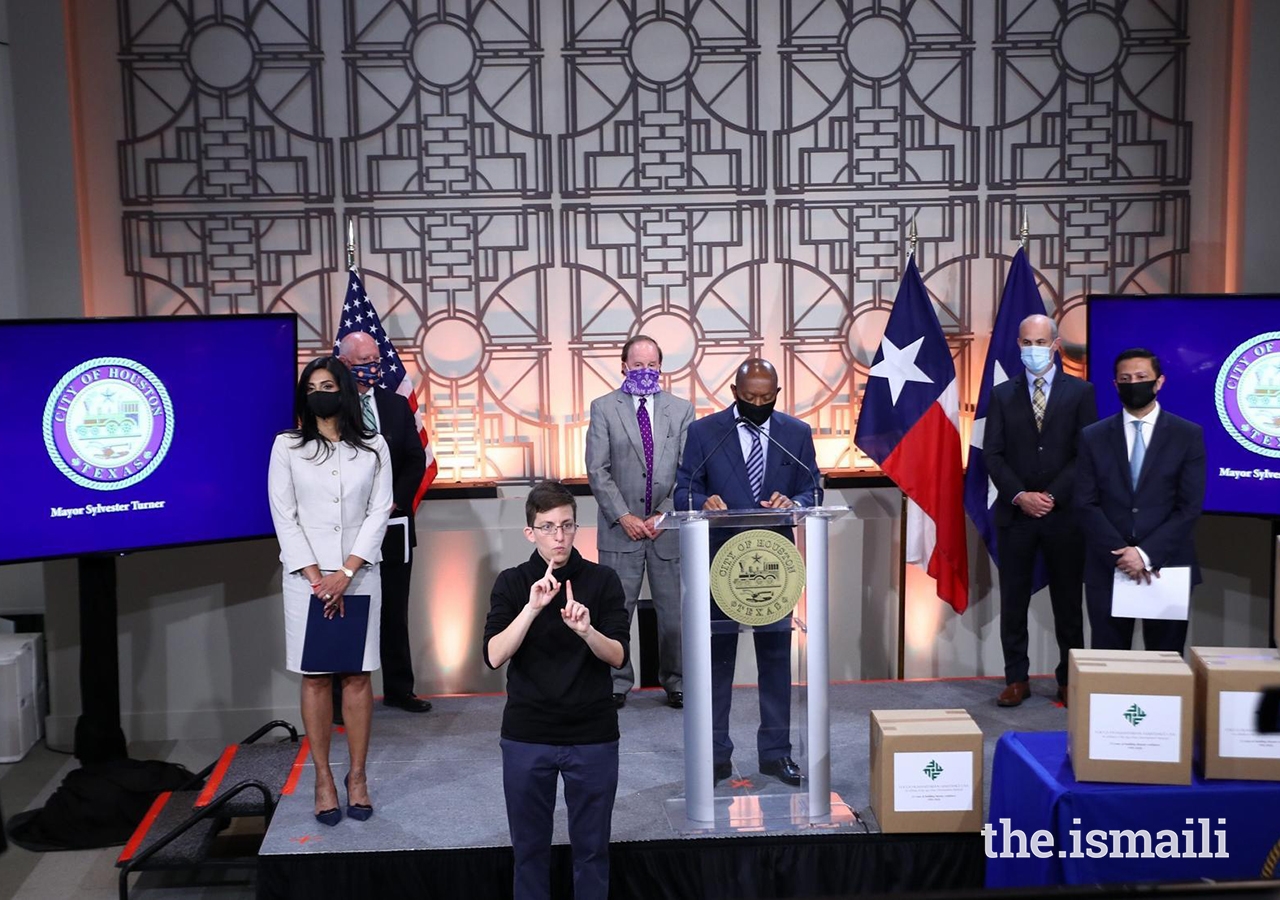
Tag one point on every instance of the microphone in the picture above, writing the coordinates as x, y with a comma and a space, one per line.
817, 491
706, 459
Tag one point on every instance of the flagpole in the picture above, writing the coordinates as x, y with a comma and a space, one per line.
912, 235
351, 243
1024, 232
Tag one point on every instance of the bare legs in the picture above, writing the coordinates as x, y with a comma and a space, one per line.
317, 718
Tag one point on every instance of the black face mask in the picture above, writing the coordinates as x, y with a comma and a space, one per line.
324, 404
1136, 394
756, 414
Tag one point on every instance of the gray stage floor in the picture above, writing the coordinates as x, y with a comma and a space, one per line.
436, 779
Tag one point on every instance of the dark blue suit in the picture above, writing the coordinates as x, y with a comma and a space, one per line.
714, 452
1159, 516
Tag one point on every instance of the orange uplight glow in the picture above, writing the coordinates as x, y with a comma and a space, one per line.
453, 625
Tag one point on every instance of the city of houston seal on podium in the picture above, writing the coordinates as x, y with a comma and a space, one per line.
757, 577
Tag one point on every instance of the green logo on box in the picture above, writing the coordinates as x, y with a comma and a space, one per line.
1134, 714
933, 770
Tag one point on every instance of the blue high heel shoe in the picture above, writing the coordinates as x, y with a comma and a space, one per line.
358, 811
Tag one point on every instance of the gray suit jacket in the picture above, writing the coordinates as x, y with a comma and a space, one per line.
615, 465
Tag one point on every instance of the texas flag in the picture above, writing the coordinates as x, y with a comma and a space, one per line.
1021, 298
909, 424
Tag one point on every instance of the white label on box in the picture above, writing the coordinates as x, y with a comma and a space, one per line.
1135, 727
1237, 723
933, 782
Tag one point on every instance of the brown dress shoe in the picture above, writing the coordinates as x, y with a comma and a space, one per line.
1014, 694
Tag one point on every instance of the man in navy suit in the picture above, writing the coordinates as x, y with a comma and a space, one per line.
387, 413
1139, 489
1034, 422
735, 459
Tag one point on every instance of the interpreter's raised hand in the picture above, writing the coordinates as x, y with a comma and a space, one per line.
777, 501
543, 590
575, 615
714, 502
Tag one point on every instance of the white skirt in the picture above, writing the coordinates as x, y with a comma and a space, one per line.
297, 604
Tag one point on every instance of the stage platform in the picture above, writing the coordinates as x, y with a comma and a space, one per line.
440, 829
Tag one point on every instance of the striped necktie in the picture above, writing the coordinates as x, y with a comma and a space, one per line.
366, 407
755, 464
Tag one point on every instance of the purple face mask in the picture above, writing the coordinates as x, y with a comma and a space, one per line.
641, 382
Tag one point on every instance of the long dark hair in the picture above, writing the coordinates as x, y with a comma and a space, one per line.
351, 430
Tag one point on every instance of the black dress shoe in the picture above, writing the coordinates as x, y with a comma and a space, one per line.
675, 699
408, 704
784, 768
619, 700
721, 771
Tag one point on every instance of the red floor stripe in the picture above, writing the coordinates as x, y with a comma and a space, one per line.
140, 833
215, 779
304, 750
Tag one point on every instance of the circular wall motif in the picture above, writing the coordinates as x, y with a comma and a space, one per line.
453, 348
865, 331
877, 47
661, 51
443, 54
221, 56
676, 336
1091, 43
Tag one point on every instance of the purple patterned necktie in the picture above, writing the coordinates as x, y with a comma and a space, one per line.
646, 438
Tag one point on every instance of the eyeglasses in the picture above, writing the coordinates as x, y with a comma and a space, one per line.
548, 529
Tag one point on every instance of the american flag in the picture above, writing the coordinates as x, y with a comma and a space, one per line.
358, 314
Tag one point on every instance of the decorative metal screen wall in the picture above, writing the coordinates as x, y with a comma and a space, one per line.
535, 180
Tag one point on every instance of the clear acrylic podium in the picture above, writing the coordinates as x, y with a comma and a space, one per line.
700, 809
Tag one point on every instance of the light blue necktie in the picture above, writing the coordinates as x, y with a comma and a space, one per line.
366, 406
1139, 451
755, 464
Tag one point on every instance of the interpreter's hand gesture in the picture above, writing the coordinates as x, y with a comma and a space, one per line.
575, 615
543, 590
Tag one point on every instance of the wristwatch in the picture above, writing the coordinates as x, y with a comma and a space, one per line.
345, 571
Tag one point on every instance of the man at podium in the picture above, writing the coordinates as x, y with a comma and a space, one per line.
750, 457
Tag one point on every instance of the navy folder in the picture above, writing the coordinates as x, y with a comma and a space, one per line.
337, 644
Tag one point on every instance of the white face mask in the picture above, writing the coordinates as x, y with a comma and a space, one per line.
1037, 359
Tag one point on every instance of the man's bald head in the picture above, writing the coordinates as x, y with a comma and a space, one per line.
756, 382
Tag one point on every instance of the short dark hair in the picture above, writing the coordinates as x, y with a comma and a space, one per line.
546, 496
639, 338
1137, 353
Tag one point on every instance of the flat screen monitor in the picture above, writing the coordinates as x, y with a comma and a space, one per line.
1220, 355
133, 434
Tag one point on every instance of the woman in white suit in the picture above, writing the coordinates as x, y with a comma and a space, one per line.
330, 490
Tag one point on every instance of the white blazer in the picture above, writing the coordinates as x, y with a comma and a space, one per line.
328, 509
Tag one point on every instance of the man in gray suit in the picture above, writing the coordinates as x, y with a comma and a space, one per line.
634, 444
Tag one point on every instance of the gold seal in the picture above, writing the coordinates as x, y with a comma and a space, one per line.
757, 577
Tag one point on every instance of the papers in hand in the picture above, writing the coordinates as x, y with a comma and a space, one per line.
395, 544
1166, 597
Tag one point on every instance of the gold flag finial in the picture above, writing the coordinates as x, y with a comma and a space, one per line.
1025, 231
912, 234
351, 243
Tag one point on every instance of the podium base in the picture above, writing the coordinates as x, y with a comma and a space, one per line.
753, 813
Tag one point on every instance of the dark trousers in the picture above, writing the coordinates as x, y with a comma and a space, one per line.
393, 646
529, 775
773, 661
1111, 633
1060, 543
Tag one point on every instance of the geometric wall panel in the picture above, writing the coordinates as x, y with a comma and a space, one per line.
222, 101
876, 94
444, 100
1090, 92
661, 100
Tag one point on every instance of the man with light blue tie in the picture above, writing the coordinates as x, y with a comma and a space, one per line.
634, 442
1140, 478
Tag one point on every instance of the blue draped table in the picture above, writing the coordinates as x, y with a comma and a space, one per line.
1033, 786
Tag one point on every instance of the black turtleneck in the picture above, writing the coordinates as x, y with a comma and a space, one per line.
558, 691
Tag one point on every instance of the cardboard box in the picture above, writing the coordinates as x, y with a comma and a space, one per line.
1129, 716
926, 770
1229, 681
21, 690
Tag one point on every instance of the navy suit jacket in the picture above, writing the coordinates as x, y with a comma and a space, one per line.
408, 458
712, 463
1020, 458
1159, 516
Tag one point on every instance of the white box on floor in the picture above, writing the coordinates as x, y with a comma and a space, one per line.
21, 715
